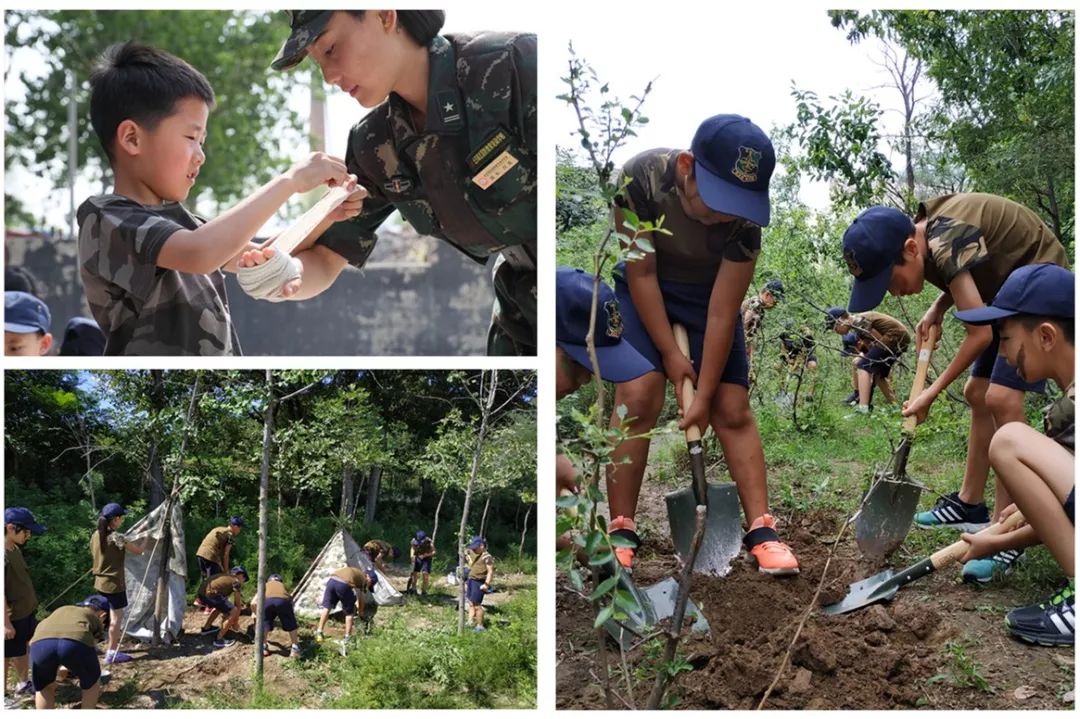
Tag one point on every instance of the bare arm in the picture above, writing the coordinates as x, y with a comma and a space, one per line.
963, 291
731, 284
134, 548
320, 267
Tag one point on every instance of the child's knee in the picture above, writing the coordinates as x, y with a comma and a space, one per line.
643, 405
1007, 405
1006, 444
732, 414
975, 393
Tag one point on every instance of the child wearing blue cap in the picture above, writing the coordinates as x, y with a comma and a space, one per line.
966, 245
481, 567
214, 593
214, 552
107, 551
26, 325
421, 552
881, 341
349, 587
278, 605
67, 638
20, 599
1035, 314
753, 311
714, 200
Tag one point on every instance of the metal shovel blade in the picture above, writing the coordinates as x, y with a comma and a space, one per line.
885, 517
870, 590
722, 540
656, 603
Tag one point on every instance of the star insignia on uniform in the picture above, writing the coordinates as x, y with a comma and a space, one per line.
448, 107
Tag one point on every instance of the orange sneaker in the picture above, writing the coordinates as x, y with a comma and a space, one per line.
623, 527
772, 556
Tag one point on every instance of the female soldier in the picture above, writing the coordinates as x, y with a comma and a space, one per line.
107, 547
450, 143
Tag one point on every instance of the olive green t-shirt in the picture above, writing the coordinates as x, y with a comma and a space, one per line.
693, 252
893, 333
353, 576
1060, 420
276, 590
220, 585
108, 563
18, 587
213, 545
378, 546
79, 623
986, 235
479, 564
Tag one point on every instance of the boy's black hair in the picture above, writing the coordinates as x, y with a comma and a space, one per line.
137, 82
1066, 325
421, 25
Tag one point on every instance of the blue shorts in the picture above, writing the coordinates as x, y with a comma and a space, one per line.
48, 655
117, 600
878, 361
473, 592
338, 591
686, 304
279, 608
208, 568
422, 565
24, 629
990, 365
1069, 505
219, 603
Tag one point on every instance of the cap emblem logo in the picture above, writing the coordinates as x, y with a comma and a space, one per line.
614, 319
852, 263
746, 167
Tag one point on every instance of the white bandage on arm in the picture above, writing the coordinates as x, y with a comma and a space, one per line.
264, 282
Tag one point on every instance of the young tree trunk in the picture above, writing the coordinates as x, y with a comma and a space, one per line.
264, 492
438, 508
483, 517
157, 481
485, 413
347, 474
372, 495
524, 529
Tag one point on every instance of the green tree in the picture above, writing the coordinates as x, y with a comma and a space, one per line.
233, 49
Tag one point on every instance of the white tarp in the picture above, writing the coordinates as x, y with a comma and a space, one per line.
142, 572
342, 550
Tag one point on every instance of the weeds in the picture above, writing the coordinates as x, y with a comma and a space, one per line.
963, 670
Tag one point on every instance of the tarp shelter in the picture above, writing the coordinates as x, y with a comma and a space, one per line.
340, 551
143, 570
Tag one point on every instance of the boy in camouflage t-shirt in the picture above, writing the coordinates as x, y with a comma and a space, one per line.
966, 245
151, 269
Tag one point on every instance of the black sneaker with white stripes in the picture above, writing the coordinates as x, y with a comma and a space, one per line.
950, 511
1051, 623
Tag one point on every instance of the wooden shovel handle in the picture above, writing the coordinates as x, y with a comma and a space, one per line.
926, 350
957, 549
682, 341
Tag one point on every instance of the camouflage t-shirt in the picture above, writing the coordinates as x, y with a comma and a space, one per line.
693, 252
1060, 420
469, 175
894, 335
753, 314
986, 235
144, 309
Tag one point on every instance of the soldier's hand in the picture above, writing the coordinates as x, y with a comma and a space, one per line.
353, 204
317, 169
255, 257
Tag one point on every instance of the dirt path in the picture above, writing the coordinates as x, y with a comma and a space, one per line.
931, 647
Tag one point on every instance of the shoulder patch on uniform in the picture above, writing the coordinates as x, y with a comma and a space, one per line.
449, 107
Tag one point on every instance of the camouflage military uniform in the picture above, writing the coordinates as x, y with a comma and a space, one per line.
469, 177
144, 309
753, 314
798, 347
1060, 420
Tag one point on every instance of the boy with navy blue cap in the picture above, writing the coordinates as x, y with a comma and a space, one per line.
1035, 314
421, 551
20, 599
481, 568
714, 200
966, 245
26, 325
754, 308
67, 638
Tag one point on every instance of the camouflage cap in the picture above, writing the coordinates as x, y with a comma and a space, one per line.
307, 26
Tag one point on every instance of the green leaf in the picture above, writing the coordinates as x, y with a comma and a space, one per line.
621, 542
604, 588
644, 244
567, 502
601, 559
603, 617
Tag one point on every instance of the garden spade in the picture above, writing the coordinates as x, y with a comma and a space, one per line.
722, 540
887, 509
655, 604
884, 585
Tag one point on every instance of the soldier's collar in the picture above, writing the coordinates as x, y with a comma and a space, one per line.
445, 107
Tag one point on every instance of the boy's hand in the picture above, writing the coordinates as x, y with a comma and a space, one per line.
677, 366
920, 406
698, 413
982, 545
933, 316
353, 204
256, 257
318, 169
1008, 512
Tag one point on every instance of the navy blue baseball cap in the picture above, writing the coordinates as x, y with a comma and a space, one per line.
476, 542
619, 361
871, 245
22, 517
1043, 290
239, 569
112, 510
733, 161
236, 521
373, 578
83, 337
24, 313
274, 578
834, 314
421, 535
776, 288
96, 601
